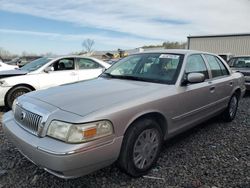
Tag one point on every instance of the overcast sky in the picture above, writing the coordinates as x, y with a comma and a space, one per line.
60, 26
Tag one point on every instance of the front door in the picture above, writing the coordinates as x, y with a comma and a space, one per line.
194, 100
63, 72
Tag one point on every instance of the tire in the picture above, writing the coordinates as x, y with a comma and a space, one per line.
14, 93
134, 159
231, 110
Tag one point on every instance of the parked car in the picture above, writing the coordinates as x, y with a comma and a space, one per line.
226, 56
241, 64
47, 72
23, 60
125, 114
4, 67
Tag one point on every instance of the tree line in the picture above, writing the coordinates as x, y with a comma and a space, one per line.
169, 45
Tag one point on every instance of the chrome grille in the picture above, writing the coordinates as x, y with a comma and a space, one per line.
28, 120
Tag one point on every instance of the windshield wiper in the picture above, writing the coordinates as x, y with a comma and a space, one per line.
136, 78
106, 74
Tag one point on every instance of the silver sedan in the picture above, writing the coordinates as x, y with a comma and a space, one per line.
125, 114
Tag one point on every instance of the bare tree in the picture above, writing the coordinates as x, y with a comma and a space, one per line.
5, 54
88, 45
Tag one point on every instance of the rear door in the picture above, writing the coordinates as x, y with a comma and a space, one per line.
221, 82
88, 69
63, 72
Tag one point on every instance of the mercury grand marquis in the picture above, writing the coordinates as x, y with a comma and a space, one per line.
125, 114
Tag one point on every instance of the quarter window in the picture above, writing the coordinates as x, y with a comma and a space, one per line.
87, 64
196, 64
216, 66
222, 66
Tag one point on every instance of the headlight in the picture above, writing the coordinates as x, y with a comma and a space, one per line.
77, 133
14, 106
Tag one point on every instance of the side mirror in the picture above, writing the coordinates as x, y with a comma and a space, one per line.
48, 69
195, 77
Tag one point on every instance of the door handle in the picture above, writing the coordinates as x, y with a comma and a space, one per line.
231, 83
212, 89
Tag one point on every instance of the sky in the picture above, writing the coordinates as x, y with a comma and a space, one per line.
60, 26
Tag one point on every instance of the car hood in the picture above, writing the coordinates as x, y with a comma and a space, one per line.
86, 97
9, 73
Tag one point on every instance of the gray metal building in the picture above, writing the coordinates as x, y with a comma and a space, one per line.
235, 44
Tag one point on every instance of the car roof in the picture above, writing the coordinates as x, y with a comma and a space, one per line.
72, 56
175, 51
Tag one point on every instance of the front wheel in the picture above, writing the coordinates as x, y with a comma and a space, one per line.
231, 110
141, 147
14, 93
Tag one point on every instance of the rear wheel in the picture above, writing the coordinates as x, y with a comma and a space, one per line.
141, 147
14, 93
231, 110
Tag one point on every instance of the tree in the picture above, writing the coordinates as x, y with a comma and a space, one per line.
5, 54
88, 45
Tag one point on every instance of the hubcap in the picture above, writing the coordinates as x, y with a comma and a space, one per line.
233, 106
146, 148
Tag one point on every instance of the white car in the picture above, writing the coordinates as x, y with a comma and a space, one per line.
47, 72
4, 66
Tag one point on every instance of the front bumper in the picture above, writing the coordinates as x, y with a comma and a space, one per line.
3, 91
69, 164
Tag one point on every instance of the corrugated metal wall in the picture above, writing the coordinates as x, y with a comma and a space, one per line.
236, 45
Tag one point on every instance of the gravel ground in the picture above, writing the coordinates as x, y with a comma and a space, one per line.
214, 154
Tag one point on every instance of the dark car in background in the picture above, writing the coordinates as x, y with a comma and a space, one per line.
241, 64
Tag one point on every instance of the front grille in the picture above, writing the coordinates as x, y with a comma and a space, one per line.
28, 120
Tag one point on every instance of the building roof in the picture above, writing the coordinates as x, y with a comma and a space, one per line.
220, 35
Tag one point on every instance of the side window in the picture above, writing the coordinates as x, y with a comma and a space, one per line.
196, 64
64, 64
215, 66
87, 64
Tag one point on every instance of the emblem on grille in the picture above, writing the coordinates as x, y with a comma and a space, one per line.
23, 115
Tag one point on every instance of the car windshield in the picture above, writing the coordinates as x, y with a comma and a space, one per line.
36, 64
148, 67
240, 62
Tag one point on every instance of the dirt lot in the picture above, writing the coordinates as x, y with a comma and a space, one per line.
214, 154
